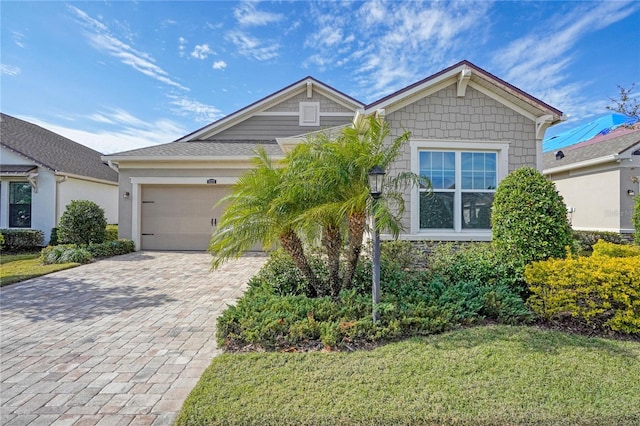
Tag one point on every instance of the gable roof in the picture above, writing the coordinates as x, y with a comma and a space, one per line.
270, 100
464, 73
584, 132
52, 151
597, 150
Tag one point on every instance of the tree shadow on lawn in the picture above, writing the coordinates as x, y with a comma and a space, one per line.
530, 338
69, 300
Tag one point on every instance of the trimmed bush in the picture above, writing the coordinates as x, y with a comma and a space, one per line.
22, 239
586, 239
529, 217
83, 222
1, 241
53, 240
603, 248
66, 253
111, 233
111, 248
602, 290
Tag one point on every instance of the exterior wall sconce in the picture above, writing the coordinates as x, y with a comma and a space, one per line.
559, 155
631, 192
126, 195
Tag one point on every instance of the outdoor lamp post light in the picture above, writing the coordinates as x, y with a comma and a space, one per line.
376, 176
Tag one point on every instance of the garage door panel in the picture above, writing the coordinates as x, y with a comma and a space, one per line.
179, 217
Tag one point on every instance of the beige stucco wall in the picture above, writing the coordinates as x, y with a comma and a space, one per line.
444, 116
594, 196
104, 195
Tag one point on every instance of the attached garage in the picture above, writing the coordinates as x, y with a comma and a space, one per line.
179, 217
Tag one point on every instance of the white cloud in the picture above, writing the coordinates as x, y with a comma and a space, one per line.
17, 38
101, 39
201, 51
182, 45
387, 45
540, 60
247, 14
9, 70
219, 65
252, 47
199, 111
120, 138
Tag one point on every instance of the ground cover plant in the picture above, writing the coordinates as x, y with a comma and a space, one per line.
20, 267
495, 375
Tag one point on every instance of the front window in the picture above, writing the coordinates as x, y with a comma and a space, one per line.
19, 205
464, 183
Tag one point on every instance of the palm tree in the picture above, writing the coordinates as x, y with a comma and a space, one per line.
252, 217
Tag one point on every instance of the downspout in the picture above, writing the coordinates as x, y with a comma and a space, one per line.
59, 180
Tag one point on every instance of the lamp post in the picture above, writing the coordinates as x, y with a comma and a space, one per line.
376, 176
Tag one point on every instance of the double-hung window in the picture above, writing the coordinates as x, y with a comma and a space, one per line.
19, 205
464, 177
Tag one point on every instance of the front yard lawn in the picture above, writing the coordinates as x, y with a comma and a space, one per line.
494, 375
19, 267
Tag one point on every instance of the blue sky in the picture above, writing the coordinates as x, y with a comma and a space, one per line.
118, 75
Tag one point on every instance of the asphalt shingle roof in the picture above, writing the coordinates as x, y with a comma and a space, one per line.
51, 150
212, 148
615, 142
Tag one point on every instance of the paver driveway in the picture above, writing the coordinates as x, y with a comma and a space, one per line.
117, 342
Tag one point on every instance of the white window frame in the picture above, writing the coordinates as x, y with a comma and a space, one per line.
457, 233
304, 120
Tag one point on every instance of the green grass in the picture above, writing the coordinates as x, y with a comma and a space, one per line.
19, 267
496, 375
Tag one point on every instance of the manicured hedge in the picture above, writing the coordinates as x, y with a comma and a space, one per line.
83, 254
602, 290
111, 233
22, 239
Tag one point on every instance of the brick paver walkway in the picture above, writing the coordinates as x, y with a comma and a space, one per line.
117, 342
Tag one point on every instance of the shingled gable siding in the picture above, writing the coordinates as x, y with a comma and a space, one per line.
475, 117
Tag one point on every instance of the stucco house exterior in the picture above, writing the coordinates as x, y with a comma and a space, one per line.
598, 179
41, 172
469, 129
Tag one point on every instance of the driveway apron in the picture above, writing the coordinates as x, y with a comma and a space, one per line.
121, 341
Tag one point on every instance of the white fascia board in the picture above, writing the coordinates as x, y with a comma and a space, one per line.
190, 158
176, 180
581, 164
87, 178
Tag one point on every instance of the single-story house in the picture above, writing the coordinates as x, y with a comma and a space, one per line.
469, 129
598, 179
41, 172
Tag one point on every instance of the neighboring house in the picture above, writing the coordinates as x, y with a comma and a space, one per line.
41, 172
469, 129
598, 179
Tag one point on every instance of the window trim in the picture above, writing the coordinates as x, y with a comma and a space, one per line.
502, 164
10, 204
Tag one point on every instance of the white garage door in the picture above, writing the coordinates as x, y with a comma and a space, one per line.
179, 217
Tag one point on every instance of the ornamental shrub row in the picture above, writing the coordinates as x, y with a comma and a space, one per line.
22, 239
84, 254
275, 312
602, 290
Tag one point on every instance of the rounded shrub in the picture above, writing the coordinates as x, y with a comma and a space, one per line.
529, 218
83, 222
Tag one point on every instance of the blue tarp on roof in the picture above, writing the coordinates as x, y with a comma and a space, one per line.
602, 125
